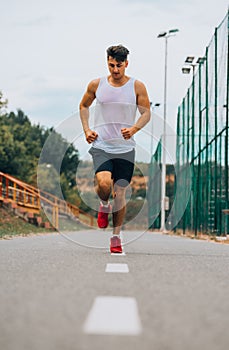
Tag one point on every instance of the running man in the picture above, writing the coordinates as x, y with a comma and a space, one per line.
118, 97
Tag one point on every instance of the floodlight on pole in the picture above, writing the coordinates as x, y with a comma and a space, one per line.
200, 60
186, 70
164, 35
173, 31
189, 61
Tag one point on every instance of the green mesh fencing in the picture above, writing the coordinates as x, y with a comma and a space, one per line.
154, 188
202, 140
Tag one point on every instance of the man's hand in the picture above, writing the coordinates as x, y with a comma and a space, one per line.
127, 133
90, 135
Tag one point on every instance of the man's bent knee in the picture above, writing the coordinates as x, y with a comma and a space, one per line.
104, 181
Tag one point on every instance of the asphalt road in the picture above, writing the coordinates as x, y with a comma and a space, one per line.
174, 293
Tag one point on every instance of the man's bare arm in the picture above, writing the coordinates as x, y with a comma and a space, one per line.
143, 105
85, 103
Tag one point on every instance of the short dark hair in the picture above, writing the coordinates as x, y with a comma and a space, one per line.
118, 52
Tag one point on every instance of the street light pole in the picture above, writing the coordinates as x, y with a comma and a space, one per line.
164, 35
153, 106
163, 170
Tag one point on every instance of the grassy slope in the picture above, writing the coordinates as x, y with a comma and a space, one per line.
11, 225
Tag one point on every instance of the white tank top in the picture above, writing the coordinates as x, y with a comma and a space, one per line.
115, 109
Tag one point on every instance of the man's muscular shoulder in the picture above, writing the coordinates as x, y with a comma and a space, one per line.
93, 85
139, 87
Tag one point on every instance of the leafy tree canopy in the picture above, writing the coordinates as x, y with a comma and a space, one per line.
22, 149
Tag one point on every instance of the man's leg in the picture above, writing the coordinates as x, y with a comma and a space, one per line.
119, 208
122, 173
103, 189
103, 185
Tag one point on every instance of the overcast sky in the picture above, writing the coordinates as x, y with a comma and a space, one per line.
51, 49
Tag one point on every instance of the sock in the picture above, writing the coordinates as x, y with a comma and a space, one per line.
117, 235
105, 205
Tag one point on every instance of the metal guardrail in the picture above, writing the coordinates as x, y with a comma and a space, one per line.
30, 198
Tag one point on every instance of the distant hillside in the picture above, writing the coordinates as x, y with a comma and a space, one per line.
85, 177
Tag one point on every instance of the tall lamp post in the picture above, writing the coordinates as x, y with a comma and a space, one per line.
153, 106
164, 35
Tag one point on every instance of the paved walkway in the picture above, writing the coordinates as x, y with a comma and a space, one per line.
164, 293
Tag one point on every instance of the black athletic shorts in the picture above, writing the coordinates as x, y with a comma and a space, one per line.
121, 165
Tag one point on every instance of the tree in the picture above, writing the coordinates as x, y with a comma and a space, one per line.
3, 104
46, 172
61, 155
23, 146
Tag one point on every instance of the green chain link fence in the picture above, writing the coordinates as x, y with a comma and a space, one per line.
202, 140
201, 198
154, 188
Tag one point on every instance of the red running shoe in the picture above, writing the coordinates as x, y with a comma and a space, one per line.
115, 245
102, 219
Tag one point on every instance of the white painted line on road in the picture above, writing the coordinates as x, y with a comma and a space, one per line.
119, 254
113, 316
123, 268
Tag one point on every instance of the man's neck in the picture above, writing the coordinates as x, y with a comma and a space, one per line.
118, 82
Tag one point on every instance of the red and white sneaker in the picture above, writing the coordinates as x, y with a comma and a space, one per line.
102, 219
115, 245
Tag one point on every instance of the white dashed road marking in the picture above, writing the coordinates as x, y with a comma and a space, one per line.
123, 268
113, 315
118, 254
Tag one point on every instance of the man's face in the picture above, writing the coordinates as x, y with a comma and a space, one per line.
116, 69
